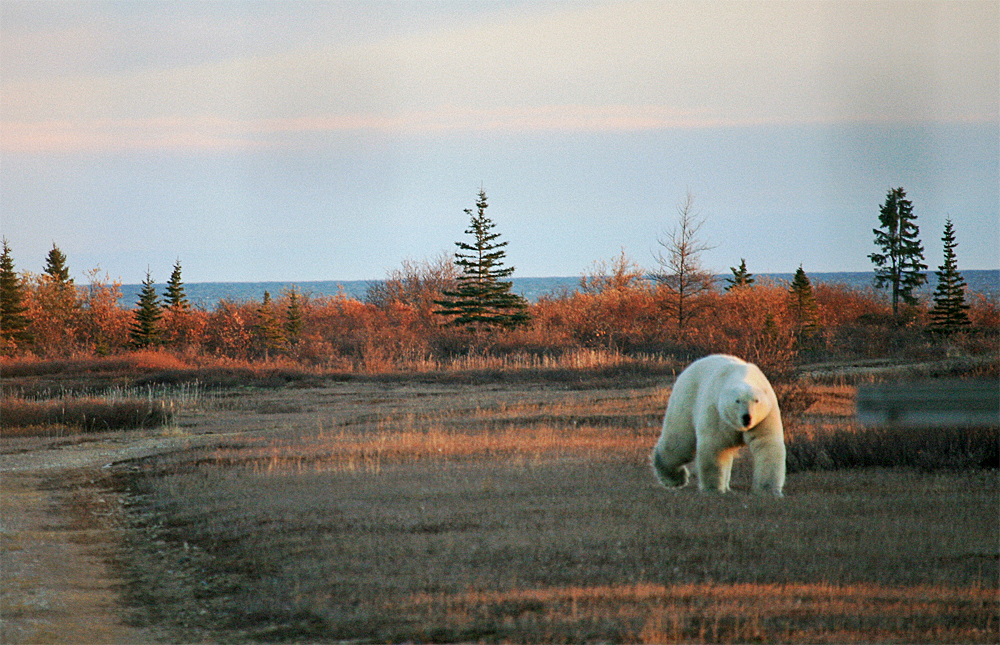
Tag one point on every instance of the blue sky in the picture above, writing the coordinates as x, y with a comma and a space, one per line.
332, 140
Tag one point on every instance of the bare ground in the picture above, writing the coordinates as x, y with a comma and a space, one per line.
57, 587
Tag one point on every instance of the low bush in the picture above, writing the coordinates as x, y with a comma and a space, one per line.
87, 414
930, 449
126, 363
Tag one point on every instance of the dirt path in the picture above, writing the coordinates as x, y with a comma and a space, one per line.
56, 587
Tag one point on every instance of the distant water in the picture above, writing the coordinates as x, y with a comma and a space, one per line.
207, 294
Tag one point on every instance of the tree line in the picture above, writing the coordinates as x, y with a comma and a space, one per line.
463, 303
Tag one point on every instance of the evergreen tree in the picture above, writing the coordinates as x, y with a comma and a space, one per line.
804, 303
741, 277
13, 323
949, 312
294, 320
899, 265
483, 298
55, 267
144, 331
57, 324
174, 297
267, 327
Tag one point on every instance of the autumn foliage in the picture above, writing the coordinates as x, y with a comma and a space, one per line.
616, 311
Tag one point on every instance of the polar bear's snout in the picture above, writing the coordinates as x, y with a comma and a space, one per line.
746, 420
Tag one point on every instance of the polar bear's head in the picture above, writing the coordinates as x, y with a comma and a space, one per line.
742, 406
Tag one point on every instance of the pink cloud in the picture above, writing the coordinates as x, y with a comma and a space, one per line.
206, 133
211, 133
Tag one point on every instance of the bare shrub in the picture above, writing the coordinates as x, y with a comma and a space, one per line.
680, 274
621, 274
415, 283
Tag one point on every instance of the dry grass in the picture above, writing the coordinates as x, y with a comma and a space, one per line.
833, 447
401, 512
709, 613
826, 436
348, 452
562, 551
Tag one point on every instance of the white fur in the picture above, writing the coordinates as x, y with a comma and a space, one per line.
704, 424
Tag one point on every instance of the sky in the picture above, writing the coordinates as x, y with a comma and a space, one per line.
300, 141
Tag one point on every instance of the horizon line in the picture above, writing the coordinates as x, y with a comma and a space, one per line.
531, 277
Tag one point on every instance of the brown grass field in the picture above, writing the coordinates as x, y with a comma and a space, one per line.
422, 511
495, 502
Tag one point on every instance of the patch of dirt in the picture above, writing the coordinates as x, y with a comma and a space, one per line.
56, 586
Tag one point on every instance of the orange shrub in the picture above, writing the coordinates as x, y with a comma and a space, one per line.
983, 311
617, 310
839, 304
183, 329
54, 312
103, 324
753, 323
620, 318
229, 329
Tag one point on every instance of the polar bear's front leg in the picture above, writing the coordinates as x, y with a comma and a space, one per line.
715, 464
768, 464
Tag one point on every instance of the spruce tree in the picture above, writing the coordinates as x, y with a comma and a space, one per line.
294, 320
60, 298
483, 298
804, 304
174, 296
949, 314
268, 328
13, 323
899, 265
55, 267
57, 327
145, 331
741, 277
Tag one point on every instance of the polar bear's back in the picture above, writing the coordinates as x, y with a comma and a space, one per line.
701, 382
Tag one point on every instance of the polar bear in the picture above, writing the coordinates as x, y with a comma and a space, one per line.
718, 404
